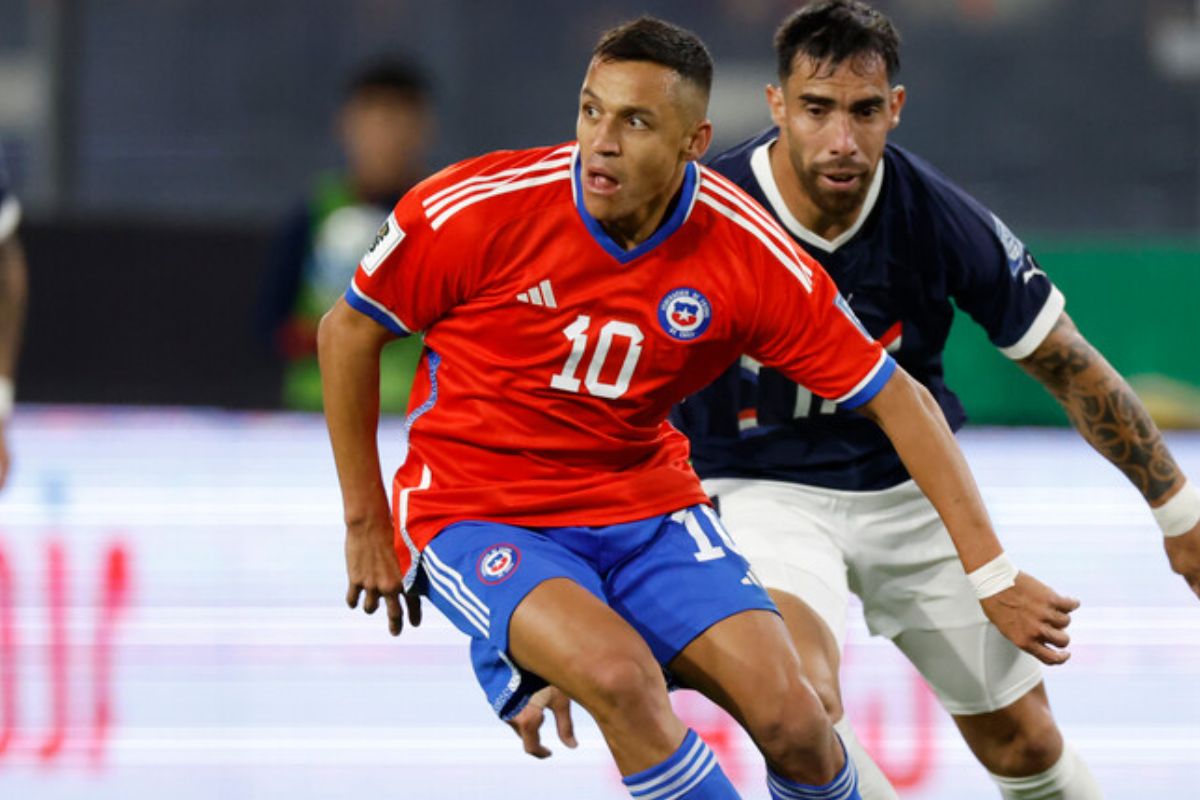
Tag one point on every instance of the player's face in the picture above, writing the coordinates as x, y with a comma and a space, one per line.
639, 124
834, 124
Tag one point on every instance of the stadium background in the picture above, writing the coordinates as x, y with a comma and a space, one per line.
170, 576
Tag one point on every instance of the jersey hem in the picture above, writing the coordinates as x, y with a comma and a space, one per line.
421, 532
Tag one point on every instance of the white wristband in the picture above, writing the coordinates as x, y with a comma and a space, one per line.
993, 577
1180, 514
6, 398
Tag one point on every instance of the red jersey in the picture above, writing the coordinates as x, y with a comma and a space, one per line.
553, 356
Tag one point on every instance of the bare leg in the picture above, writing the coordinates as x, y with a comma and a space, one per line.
747, 665
1020, 739
565, 634
817, 648
821, 661
1023, 749
1020, 743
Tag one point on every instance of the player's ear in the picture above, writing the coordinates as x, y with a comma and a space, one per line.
775, 104
699, 140
899, 95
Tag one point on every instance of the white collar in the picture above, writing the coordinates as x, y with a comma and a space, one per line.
760, 164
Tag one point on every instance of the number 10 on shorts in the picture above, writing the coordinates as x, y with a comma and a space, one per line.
706, 550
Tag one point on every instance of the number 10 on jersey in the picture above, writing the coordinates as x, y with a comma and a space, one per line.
577, 335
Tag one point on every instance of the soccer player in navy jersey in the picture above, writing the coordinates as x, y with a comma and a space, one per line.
12, 308
570, 295
815, 496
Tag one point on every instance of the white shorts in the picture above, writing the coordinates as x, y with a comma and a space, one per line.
890, 548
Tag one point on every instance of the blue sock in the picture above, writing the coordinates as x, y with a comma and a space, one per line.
691, 773
844, 785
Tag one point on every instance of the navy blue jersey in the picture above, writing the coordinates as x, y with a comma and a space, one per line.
10, 211
919, 243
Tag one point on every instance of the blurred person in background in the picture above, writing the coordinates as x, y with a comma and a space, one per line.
385, 128
816, 498
13, 288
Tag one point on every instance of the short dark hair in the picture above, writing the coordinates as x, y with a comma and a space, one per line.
834, 31
405, 79
650, 39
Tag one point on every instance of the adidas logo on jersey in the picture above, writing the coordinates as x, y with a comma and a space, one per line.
540, 295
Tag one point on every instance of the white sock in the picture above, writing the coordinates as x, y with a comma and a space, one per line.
872, 784
1069, 779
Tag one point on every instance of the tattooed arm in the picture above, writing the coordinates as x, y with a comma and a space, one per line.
1112, 419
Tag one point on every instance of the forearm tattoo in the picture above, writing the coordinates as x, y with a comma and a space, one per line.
1105, 410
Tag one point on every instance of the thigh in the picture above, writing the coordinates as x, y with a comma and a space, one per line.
682, 578
786, 532
820, 653
972, 669
477, 574
740, 663
903, 565
915, 592
747, 665
566, 635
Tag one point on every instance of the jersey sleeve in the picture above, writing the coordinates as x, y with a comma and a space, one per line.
414, 273
10, 209
806, 330
994, 278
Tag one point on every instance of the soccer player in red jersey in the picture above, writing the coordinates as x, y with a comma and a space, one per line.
568, 296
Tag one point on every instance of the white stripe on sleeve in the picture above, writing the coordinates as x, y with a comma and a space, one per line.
1039, 329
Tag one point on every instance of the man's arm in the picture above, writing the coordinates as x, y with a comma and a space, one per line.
1111, 418
1025, 610
348, 346
13, 291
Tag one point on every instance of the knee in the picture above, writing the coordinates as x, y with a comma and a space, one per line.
620, 685
1030, 748
792, 730
828, 691
1035, 749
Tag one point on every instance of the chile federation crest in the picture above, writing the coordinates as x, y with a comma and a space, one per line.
497, 563
684, 314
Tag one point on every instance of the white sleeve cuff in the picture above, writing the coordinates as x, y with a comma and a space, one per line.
10, 215
1039, 329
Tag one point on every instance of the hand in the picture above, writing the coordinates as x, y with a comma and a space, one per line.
1033, 617
372, 567
1183, 551
528, 723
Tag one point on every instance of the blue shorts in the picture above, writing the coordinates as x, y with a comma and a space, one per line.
671, 577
